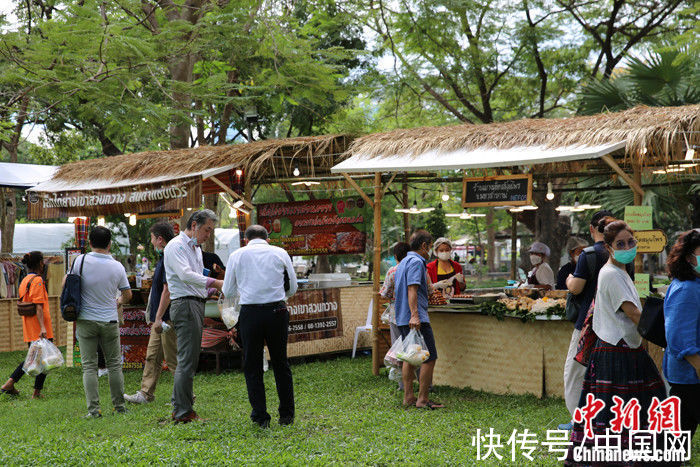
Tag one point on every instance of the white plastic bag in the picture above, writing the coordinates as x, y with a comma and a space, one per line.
414, 350
51, 356
386, 316
395, 374
42, 357
33, 365
390, 359
230, 310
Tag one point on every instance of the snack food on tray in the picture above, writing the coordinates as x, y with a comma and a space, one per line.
436, 298
530, 305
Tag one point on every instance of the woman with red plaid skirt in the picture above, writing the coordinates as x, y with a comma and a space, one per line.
620, 371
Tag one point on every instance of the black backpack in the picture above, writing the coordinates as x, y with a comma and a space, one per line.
70, 295
573, 302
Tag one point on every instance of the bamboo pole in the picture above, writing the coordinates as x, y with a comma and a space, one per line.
513, 246
406, 218
376, 358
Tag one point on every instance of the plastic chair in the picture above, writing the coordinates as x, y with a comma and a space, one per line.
366, 328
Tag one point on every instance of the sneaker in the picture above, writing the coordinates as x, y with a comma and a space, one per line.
93, 415
102, 372
137, 398
566, 426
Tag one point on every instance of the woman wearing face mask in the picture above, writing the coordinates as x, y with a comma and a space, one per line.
619, 366
575, 247
682, 319
445, 273
541, 274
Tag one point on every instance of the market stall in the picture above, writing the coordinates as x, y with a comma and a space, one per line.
501, 160
168, 184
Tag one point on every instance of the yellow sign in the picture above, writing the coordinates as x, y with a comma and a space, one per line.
650, 241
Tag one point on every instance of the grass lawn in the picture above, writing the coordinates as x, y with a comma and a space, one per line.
344, 416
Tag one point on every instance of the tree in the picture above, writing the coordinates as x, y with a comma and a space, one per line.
435, 223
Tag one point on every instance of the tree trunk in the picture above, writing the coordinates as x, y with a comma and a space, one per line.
491, 239
211, 202
323, 266
180, 126
8, 208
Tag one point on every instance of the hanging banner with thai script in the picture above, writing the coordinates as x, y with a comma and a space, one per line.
314, 314
149, 198
317, 227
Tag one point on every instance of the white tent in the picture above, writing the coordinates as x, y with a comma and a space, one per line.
226, 241
14, 175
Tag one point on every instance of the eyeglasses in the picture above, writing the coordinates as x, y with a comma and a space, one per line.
620, 244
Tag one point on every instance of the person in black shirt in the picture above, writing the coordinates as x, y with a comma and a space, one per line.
213, 263
161, 344
574, 246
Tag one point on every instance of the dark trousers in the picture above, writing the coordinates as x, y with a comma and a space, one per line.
38, 381
689, 394
260, 325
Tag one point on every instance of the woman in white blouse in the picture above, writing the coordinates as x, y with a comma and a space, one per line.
619, 366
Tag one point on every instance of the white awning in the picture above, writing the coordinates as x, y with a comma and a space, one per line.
24, 175
101, 184
479, 158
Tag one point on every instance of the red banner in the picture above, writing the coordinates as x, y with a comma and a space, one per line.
317, 227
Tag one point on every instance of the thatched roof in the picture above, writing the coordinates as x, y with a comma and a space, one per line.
653, 135
314, 155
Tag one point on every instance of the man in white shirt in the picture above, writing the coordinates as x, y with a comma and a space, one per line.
189, 289
263, 276
102, 279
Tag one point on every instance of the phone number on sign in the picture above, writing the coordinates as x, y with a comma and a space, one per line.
311, 325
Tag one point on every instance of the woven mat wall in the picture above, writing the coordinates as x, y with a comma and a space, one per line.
11, 337
501, 357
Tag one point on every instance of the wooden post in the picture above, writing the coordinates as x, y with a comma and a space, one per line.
638, 198
514, 247
376, 358
406, 216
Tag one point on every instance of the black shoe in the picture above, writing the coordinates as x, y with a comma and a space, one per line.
263, 424
286, 420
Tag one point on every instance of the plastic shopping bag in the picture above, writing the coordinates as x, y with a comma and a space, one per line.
386, 316
33, 365
230, 310
414, 350
51, 355
395, 375
390, 359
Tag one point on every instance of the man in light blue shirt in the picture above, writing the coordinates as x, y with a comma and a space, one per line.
411, 291
263, 276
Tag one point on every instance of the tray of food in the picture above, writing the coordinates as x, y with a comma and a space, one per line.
488, 297
436, 298
462, 298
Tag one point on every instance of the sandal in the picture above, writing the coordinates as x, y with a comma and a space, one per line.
432, 405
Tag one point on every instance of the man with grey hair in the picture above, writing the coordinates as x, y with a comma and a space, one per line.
262, 276
189, 289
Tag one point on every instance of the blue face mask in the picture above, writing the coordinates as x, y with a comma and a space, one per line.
625, 256
697, 264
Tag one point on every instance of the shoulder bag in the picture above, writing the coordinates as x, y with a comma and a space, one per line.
26, 308
652, 325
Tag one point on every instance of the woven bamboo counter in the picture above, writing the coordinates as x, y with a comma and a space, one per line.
501, 357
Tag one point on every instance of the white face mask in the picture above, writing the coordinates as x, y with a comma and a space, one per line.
535, 260
444, 255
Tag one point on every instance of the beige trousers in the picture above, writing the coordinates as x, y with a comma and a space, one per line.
163, 345
573, 374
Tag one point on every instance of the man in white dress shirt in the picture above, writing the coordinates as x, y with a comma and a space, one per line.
189, 288
263, 276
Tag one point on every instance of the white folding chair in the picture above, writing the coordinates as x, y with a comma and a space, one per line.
366, 328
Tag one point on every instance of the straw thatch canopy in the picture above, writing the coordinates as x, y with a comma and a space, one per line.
314, 155
652, 135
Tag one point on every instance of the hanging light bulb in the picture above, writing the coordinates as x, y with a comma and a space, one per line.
232, 213
101, 221
550, 193
239, 172
445, 195
296, 172
127, 215
576, 203
132, 219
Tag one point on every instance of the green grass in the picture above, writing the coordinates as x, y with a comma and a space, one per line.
345, 415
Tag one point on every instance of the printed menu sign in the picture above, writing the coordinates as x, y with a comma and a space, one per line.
641, 283
317, 227
315, 314
502, 190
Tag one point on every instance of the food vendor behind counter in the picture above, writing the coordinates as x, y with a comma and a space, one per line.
541, 274
444, 273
